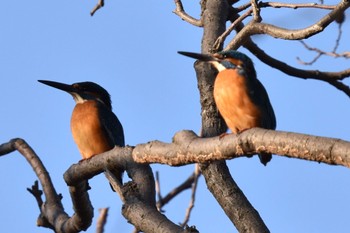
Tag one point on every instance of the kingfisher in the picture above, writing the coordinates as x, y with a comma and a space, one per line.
95, 128
239, 96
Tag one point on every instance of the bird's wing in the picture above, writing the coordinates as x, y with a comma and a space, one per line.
261, 98
112, 126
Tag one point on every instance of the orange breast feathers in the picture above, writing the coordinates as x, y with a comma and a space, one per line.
234, 104
87, 129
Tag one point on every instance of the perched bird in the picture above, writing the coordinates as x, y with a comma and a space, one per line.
95, 128
239, 96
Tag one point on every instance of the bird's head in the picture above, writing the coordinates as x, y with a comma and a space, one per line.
230, 59
83, 91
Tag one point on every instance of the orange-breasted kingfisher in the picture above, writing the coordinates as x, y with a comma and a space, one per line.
239, 96
95, 128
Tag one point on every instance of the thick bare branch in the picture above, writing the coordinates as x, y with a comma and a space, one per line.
188, 148
143, 216
138, 195
216, 173
52, 212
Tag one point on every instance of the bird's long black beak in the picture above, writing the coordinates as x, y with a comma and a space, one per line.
61, 86
199, 56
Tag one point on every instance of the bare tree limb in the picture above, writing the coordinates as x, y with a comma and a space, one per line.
37, 193
217, 176
296, 5
138, 195
179, 11
52, 213
177, 190
256, 11
143, 216
102, 219
320, 52
193, 195
332, 78
188, 148
159, 195
221, 39
253, 28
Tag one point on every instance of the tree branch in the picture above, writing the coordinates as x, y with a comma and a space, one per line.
296, 5
162, 201
179, 11
99, 4
188, 148
194, 184
52, 212
102, 219
216, 174
332, 78
253, 28
320, 52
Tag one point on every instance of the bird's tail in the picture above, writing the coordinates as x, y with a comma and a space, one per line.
265, 158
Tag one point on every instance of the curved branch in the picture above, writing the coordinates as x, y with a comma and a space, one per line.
52, 212
186, 148
253, 28
332, 78
142, 216
179, 11
221, 39
138, 195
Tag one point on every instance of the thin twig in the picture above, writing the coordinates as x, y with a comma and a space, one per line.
321, 52
37, 193
99, 4
256, 11
179, 11
185, 185
221, 39
197, 173
330, 77
159, 195
296, 6
242, 7
102, 219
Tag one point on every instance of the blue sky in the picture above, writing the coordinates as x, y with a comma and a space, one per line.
130, 49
